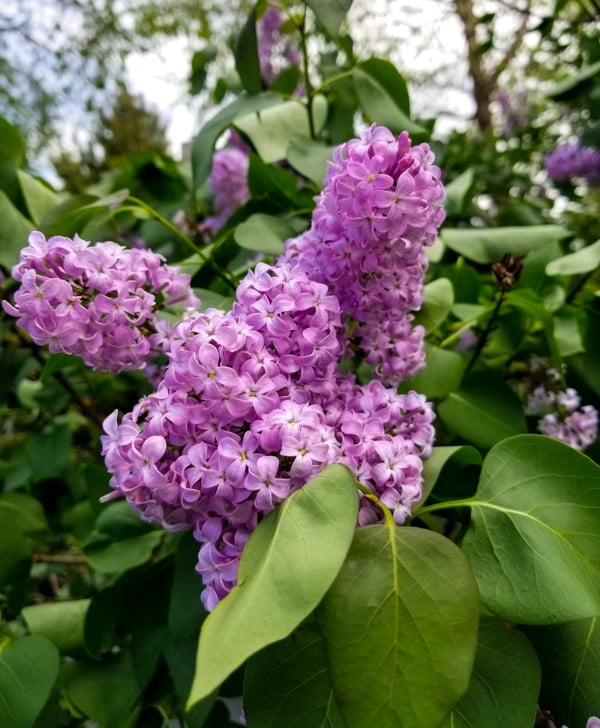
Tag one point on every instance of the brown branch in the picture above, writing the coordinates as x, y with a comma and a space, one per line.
64, 559
514, 47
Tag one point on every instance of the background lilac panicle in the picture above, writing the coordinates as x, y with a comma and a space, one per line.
560, 413
274, 52
228, 182
251, 406
380, 206
100, 302
573, 160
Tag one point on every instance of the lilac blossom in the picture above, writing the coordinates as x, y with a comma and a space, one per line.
251, 406
228, 182
593, 722
100, 302
573, 160
274, 53
380, 206
559, 410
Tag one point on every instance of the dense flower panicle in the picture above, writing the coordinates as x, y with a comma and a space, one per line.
380, 206
100, 302
228, 182
274, 53
251, 407
560, 413
573, 160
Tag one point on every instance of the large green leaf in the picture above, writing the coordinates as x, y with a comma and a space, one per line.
272, 130
448, 463
382, 94
458, 192
290, 561
570, 86
330, 13
392, 644
505, 682
483, 411
442, 374
246, 55
570, 657
534, 537
488, 245
61, 622
14, 232
438, 297
105, 691
263, 234
120, 540
28, 671
15, 547
204, 142
39, 198
583, 261
310, 158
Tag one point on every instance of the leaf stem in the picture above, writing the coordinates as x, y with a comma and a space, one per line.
387, 514
151, 212
461, 503
333, 79
485, 334
307, 83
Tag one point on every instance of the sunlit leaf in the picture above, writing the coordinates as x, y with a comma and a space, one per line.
534, 538
290, 561
392, 644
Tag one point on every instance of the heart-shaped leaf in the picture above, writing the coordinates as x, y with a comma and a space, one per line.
534, 538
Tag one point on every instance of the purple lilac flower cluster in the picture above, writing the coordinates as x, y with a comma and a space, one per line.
274, 54
560, 413
380, 206
573, 160
228, 182
593, 722
100, 302
250, 407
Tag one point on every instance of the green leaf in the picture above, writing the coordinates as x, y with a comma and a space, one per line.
570, 86
446, 462
204, 142
245, 53
458, 192
211, 299
25, 511
505, 682
263, 234
28, 670
120, 540
534, 538
12, 156
483, 411
14, 232
442, 374
392, 644
586, 364
583, 261
438, 298
38, 196
77, 215
567, 334
15, 548
488, 245
570, 657
185, 617
289, 562
382, 94
330, 13
61, 622
272, 130
310, 158
105, 691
